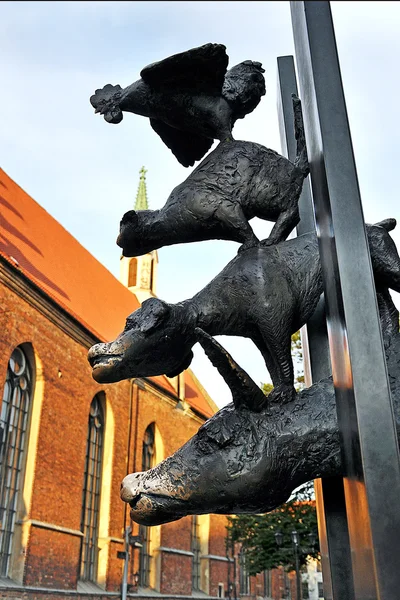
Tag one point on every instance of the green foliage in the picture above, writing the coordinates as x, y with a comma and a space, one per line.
256, 533
297, 356
267, 388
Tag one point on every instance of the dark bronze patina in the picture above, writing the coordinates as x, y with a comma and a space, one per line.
251, 455
190, 98
264, 293
234, 183
247, 461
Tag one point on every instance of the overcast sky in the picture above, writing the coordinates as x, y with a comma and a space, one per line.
85, 172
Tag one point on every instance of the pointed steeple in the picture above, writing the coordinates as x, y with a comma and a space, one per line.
139, 274
141, 196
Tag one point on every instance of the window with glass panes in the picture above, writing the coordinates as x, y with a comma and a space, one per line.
91, 491
304, 590
144, 532
320, 590
14, 422
196, 553
244, 579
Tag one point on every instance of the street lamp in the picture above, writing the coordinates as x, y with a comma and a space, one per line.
295, 537
296, 550
279, 537
136, 578
135, 542
296, 544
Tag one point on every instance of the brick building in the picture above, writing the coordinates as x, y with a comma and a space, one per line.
66, 442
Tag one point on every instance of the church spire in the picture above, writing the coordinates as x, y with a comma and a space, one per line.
139, 273
141, 196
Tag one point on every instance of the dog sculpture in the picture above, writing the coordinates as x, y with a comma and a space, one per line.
234, 183
190, 99
245, 461
265, 294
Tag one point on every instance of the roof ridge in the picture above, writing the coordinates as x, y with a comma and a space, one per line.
206, 395
60, 267
65, 229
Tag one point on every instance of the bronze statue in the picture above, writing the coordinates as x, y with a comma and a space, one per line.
243, 460
264, 293
234, 183
251, 454
190, 98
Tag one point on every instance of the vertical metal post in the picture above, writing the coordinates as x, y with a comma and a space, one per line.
331, 508
365, 414
124, 587
297, 565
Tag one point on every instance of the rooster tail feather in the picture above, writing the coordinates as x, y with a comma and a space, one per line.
106, 102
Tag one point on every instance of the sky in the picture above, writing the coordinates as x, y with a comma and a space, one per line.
85, 172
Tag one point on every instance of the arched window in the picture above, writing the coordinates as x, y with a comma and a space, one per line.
196, 548
14, 422
91, 491
144, 532
132, 276
244, 578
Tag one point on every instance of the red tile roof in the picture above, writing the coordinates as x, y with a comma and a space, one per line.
197, 396
50, 257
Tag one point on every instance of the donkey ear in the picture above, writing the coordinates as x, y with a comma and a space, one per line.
245, 393
388, 224
153, 312
185, 364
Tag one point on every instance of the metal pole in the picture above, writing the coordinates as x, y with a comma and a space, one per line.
298, 581
234, 574
329, 493
124, 587
365, 414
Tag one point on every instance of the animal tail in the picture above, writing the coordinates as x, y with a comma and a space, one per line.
301, 161
106, 102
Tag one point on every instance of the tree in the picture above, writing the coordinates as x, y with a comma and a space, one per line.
297, 356
256, 533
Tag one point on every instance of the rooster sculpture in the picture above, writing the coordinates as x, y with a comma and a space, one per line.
190, 98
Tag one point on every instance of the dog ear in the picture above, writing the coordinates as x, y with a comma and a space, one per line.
153, 312
185, 364
127, 229
130, 218
388, 224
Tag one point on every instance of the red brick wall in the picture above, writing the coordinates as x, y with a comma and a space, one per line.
176, 574
44, 595
47, 549
218, 525
177, 534
174, 426
218, 574
60, 458
52, 557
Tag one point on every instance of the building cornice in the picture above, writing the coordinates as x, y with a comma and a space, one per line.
175, 551
21, 285
173, 399
51, 526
